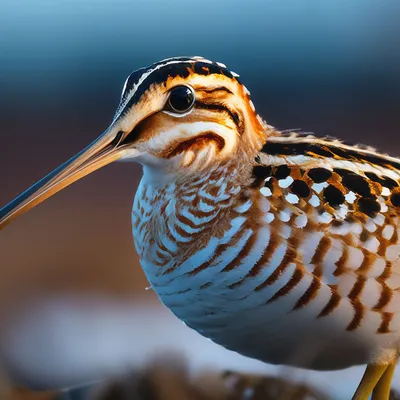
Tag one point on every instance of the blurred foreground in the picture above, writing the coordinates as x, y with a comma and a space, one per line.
161, 382
143, 352
173, 382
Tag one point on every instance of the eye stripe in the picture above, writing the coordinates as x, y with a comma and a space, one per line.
222, 108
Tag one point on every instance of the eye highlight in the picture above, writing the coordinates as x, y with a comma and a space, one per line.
181, 99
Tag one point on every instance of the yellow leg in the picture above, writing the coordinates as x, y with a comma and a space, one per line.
371, 377
382, 389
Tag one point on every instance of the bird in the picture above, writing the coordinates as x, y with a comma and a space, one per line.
280, 245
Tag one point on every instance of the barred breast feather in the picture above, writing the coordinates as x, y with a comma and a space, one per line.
311, 230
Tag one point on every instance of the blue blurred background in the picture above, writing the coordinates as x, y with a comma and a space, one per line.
331, 67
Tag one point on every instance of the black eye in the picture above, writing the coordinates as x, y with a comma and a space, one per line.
181, 99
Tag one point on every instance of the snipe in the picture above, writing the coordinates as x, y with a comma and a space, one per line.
281, 246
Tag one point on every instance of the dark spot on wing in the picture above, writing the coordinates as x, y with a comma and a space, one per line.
282, 172
354, 182
368, 206
261, 172
319, 175
395, 199
300, 188
333, 196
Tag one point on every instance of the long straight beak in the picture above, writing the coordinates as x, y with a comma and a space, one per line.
101, 152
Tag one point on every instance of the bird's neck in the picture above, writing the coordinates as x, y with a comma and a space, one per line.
173, 216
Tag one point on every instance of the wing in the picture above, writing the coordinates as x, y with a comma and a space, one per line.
342, 203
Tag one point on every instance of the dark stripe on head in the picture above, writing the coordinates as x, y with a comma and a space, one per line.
203, 68
325, 150
180, 66
134, 77
234, 116
132, 80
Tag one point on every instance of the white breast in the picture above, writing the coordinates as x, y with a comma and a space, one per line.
237, 288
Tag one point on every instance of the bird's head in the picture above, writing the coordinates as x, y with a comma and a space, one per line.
186, 114
180, 115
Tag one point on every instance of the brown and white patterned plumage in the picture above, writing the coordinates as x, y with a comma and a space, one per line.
278, 245
305, 244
